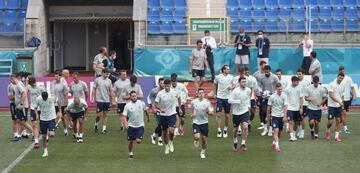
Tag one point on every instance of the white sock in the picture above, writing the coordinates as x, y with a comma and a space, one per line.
265, 128
160, 139
219, 129
176, 130
273, 142
104, 128
202, 150
65, 130
16, 134
36, 141
345, 128
131, 153
336, 134
225, 128
316, 135
170, 142
277, 144
47, 137
153, 134
243, 142
45, 150
287, 125
291, 134
262, 124
81, 135
270, 129
96, 123
235, 140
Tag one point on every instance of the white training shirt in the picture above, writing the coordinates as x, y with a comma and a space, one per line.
223, 83
338, 91
303, 85
307, 50
200, 116
182, 92
277, 103
240, 100
347, 83
317, 94
167, 101
251, 82
209, 41
47, 108
294, 95
72, 108
135, 113
119, 87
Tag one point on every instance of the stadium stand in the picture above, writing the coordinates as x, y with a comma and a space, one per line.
271, 4
285, 4
13, 4
2, 4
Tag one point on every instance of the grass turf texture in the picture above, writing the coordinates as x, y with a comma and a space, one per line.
108, 153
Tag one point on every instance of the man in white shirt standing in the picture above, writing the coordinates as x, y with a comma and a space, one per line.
295, 108
303, 83
335, 103
183, 93
240, 102
307, 44
349, 95
278, 110
98, 66
198, 64
209, 44
222, 89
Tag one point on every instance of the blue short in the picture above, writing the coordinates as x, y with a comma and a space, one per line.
334, 112
347, 104
75, 116
203, 129
21, 114
223, 103
277, 122
102, 107
314, 115
120, 107
157, 117
200, 73
168, 121
46, 126
12, 111
135, 133
294, 116
237, 119
183, 111
33, 115
62, 109
253, 103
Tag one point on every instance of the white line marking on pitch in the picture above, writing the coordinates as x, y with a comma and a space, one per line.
18, 159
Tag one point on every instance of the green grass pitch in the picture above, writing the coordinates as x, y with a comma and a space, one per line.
108, 153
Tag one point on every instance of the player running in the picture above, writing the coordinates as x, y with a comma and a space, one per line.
335, 103
151, 99
134, 121
76, 109
46, 103
315, 94
119, 88
166, 101
102, 91
222, 88
240, 101
59, 89
277, 109
183, 93
252, 84
303, 83
34, 91
200, 109
295, 107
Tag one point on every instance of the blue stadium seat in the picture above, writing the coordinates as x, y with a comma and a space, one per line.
285, 3
9, 25
245, 14
259, 5
284, 13
325, 3
245, 4
297, 25
154, 4
153, 27
272, 25
325, 12
337, 13
314, 12
298, 13
337, 3
180, 4
282, 25
10, 14
232, 13
232, 4
167, 4
246, 25
179, 14
271, 14
258, 14
166, 27
180, 27
19, 26
24, 4
351, 13
314, 25
352, 24
153, 14
325, 25
259, 24
271, 4
22, 14
2, 4
13, 4
234, 26
166, 14
298, 4
351, 3
338, 25
312, 3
